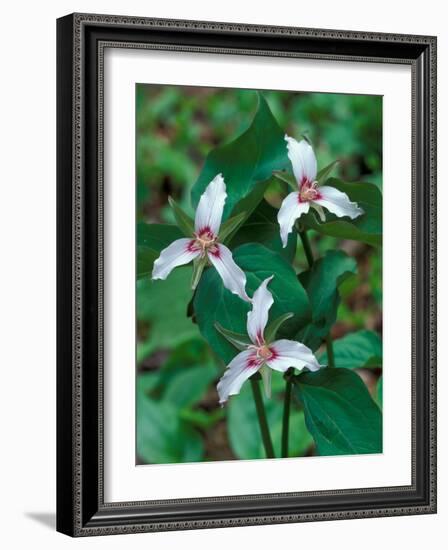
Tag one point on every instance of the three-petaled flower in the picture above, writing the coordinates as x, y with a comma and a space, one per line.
310, 194
204, 244
279, 355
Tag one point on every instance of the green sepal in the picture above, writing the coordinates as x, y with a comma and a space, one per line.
287, 178
198, 268
183, 220
266, 375
231, 225
324, 172
239, 341
272, 328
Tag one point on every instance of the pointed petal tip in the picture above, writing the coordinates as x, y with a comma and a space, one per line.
257, 318
176, 254
236, 373
338, 203
157, 277
211, 206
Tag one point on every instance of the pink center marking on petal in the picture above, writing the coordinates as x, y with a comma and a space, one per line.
206, 240
260, 338
192, 246
214, 251
253, 362
262, 353
205, 232
309, 191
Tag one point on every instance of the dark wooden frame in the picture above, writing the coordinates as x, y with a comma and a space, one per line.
81, 39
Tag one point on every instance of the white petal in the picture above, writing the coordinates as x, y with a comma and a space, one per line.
338, 202
211, 206
241, 367
291, 354
257, 318
179, 252
303, 159
232, 276
290, 210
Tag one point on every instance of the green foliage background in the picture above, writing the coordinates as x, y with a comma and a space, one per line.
178, 416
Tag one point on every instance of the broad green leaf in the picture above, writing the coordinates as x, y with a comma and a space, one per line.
244, 431
188, 386
262, 227
151, 240
163, 305
366, 228
272, 328
146, 382
244, 209
321, 283
357, 350
247, 160
240, 341
145, 261
250, 202
201, 418
214, 303
188, 354
162, 437
144, 349
379, 392
339, 412
183, 220
165, 417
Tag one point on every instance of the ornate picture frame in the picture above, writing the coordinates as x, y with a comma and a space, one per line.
81, 42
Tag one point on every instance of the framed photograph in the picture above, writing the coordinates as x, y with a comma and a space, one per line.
246, 274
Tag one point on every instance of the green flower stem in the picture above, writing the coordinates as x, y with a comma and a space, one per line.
261, 413
286, 410
310, 258
190, 308
306, 247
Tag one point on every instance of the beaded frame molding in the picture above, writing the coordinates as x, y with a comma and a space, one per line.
81, 40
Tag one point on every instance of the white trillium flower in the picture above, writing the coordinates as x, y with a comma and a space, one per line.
309, 194
279, 355
204, 244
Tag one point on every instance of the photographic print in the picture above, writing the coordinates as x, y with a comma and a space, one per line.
259, 275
